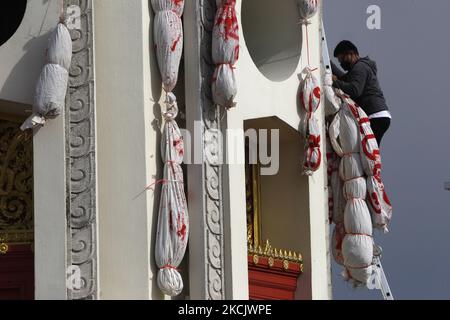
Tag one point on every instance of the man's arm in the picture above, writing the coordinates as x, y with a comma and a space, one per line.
354, 83
336, 70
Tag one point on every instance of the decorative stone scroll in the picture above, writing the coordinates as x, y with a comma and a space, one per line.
81, 151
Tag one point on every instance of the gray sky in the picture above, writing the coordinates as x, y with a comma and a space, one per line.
413, 54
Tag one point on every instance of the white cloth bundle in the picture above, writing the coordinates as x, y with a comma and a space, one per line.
177, 6
357, 245
168, 39
336, 243
378, 200
51, 90
173, 221
336, 202
225, 53
335, 187
60, 47
51, 87
330, 167
352, 139
333, 103
310, 96
307, 9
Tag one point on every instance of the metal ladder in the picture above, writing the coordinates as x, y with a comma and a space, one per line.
378, 275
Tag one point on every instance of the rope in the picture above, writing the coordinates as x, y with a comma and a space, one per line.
360, 267
158, 182
358, 234
62, 14
168, 266
172, 107
349, 154
308, 54
226, 64
307, 45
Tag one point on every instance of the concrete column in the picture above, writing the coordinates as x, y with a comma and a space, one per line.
50, 211
319, 223
205, 178
128, 90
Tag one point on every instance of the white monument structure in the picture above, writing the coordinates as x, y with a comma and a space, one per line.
80, 195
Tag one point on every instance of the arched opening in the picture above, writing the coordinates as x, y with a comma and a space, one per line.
273, 36
11, 16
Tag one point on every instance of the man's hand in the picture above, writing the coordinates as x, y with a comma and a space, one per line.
334, 77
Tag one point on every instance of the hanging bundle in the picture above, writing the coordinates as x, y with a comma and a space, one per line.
330, 168
332, 101
307, 9
310, 96
336, 195
173, 224
225, 53
168, 38
336, 202
336, 243
379, 203
357, 243
51, 87
367, 204
173, 220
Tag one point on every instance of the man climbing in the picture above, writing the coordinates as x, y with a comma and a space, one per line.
360, 82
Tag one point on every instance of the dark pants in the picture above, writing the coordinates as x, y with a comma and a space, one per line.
379, 127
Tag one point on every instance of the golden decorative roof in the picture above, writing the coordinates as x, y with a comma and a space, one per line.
270, 252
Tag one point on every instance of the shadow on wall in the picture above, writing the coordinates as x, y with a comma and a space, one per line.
21, 81
24, 52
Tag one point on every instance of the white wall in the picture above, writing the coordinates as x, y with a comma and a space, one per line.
23, 55
22, 58
260, 97
128, 156
50, 223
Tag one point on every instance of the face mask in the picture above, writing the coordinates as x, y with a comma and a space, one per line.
346, 65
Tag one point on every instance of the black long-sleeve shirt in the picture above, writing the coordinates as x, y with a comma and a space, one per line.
361, 84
